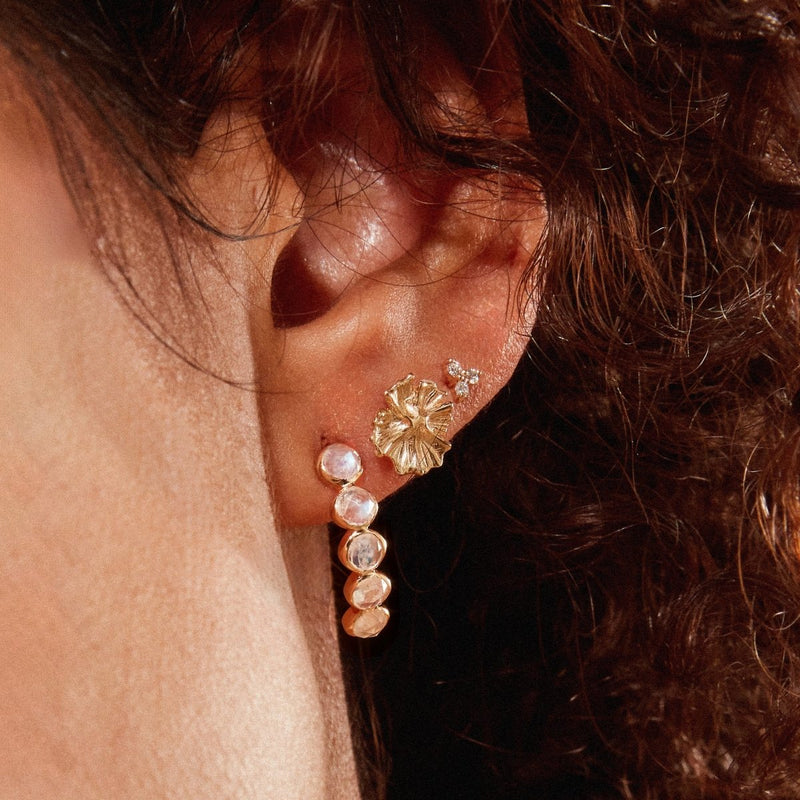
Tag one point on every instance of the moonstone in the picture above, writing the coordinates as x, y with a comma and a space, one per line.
362, 551
367, 591
354, 508
340, 464
367, 623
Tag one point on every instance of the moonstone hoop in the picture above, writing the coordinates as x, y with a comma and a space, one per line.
361, 550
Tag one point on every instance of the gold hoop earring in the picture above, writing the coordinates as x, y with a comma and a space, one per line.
361, 549
411, 431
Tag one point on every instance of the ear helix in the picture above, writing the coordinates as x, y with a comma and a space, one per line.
411, 432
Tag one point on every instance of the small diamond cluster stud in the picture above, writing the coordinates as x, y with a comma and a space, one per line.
462, 380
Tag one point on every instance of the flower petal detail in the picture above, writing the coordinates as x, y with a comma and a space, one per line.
411, 430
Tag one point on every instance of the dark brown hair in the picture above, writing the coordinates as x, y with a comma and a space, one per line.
602, 585
625, 620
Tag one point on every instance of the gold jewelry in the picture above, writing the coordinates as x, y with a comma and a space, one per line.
361, 550
412, 429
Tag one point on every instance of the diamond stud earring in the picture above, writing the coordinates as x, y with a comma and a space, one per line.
461, 380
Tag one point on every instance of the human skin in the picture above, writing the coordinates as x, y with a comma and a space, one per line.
155, 639
168, 627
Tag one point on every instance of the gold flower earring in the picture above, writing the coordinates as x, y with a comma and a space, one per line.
412, 429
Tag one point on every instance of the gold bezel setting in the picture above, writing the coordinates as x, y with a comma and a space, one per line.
361, 549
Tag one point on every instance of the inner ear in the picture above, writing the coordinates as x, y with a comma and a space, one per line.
360, 216
369, 200
300, 292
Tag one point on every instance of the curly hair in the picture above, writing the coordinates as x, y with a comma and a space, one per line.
604, 579
628, 511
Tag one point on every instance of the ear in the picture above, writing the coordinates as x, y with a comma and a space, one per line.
394, 275
384, 270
